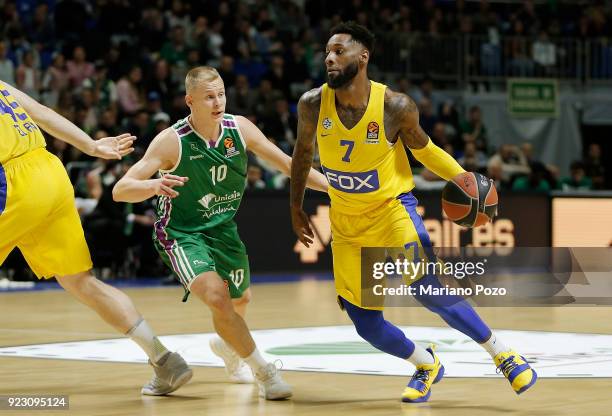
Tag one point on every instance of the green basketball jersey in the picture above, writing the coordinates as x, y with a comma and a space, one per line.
217, 177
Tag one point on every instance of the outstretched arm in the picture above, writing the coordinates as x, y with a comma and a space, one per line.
262, 147
107, 148
303, 153
135, 186
424, 150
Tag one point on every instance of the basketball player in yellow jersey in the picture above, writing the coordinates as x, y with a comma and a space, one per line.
361, 128
38, 215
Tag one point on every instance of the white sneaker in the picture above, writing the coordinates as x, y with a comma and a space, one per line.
237, 370
169, 376
271, 384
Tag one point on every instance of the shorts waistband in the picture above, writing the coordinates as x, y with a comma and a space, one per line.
29, 155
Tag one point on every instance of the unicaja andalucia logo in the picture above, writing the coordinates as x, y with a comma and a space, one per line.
208, 201
218, 204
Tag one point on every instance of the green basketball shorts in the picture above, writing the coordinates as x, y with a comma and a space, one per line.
219, 249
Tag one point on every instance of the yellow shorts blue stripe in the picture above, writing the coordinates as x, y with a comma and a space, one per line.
3, 189
394, 224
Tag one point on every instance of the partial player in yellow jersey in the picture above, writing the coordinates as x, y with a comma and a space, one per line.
38, 215
362, 128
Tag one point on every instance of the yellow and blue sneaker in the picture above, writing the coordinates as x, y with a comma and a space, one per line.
419, 388
516, 369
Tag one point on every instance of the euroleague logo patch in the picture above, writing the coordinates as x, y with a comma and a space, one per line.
230, 147
372, 135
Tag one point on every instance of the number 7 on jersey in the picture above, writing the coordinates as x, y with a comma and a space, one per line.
350, 144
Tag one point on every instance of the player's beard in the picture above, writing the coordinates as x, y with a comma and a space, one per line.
343, 77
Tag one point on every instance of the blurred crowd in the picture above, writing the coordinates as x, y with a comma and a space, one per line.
114, 66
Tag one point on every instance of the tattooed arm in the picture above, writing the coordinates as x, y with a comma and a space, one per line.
308, 114
406, 114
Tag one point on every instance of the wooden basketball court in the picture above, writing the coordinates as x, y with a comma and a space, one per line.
107, 388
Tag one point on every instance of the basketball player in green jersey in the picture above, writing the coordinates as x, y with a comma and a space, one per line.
205, 156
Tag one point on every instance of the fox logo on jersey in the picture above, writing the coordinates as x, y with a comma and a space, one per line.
352, 182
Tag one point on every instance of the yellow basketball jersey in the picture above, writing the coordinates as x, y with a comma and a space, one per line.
364, 170
18, 133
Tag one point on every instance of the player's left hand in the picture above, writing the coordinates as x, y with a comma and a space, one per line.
301, 226
114, 147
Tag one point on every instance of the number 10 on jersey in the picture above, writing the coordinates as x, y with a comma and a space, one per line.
218, 173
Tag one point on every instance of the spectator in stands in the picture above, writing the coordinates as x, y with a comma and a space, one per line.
65, 104
215, 42
427, 117
152, 27
518, 52
265, 99
474, 130
7, 68
512, 161
162, 83
278, 76
28, 77
544, 54
552, 177
139, 126
55, 80
427, 91
108, 121
472, 159
226, 71
41, 29
282, 125
438, 134
175, 50
298, 70
450, 117
160, 121
577, 181
154, 104
527, 149
495, 172
19, 45
178, 15
86, 115
405, 86
130, 92
104, 89
240, 97
105, 227
594, 166
535, 181
78, 67
528, 16
200, 37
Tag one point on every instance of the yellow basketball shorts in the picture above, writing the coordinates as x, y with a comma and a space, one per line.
395, 224
38, 215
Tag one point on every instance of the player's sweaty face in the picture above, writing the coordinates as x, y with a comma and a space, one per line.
341, 59
208, 99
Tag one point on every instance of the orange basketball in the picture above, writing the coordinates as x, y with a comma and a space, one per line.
470, 199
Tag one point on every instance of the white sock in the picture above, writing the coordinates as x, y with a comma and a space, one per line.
143, 335
255, 361
420, 356
494, 346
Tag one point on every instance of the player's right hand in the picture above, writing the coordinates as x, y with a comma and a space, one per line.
301, 226
164, 185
